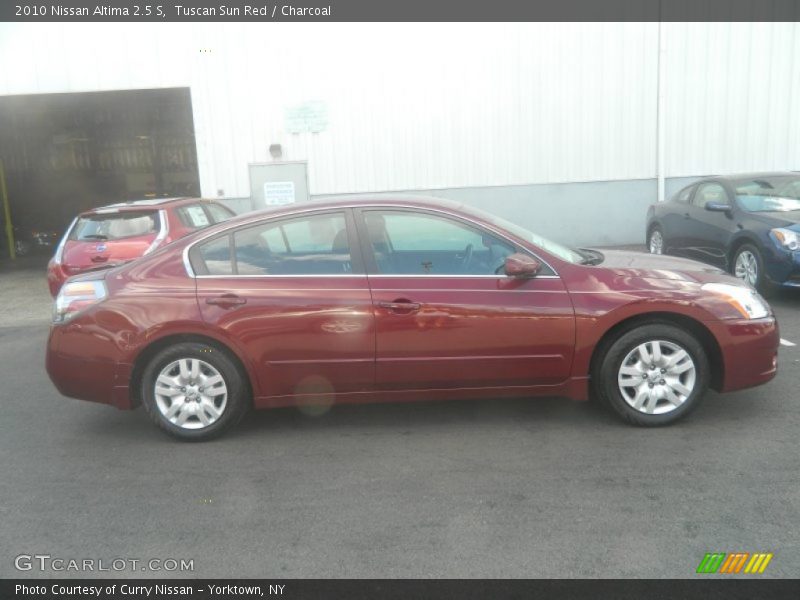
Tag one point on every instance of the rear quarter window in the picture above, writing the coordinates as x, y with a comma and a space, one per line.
193, 216
198, 216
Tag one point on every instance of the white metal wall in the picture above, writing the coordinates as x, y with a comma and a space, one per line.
425, 106
732, 97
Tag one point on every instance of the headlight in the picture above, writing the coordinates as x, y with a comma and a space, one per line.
787, 238
76, 296
743, 299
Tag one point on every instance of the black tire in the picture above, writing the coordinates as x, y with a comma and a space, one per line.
762, 284
650, 234
236, 403
607, 369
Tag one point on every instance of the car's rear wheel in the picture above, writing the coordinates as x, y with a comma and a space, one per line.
652, 375
655, 241
193, 391
748, 265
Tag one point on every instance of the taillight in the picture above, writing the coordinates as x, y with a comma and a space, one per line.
76, 296
59, 254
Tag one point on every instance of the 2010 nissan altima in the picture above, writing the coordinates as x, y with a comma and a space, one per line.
397, 300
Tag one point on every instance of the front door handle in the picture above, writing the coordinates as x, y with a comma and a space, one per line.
226, 301
400, 306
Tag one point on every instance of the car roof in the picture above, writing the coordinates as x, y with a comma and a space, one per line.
756, 175
341, 202
354, 201
143, 204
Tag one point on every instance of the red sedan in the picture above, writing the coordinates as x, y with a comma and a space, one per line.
399, 300
122, 232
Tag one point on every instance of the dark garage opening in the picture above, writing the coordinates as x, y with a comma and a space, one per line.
65, 153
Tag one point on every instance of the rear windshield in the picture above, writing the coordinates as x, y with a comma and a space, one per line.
115, 226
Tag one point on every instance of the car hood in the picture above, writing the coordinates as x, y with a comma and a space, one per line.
655, 266
789, 219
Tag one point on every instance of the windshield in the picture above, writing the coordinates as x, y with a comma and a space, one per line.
768, 194
554, 248
115, 226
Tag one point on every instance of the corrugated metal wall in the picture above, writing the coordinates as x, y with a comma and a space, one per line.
426, 106
732, 97
422, 106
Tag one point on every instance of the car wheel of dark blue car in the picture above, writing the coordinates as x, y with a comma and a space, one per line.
748, 265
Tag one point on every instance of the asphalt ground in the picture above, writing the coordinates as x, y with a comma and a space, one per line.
519, 488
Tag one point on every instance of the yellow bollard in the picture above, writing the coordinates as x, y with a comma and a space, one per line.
7, 211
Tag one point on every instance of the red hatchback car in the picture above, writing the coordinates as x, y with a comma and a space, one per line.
382, 300
122, 232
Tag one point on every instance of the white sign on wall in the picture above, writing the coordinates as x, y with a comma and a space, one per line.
278, 193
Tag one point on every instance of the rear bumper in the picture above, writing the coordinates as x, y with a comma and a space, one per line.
85, 376
749, 351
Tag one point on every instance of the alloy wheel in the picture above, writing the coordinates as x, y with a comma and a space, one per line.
746, 267
656, 377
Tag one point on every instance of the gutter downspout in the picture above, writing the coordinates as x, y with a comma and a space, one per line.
660, 117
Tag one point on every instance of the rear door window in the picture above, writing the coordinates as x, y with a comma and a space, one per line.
308, 245
216, 256
115, 226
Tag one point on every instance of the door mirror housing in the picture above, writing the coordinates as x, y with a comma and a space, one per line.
718, 207
522, 265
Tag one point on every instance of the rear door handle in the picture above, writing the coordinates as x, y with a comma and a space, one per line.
400, 306
99, 259
226, 300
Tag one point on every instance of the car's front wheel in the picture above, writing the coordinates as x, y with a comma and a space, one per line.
652, 375
748, 265
193, 391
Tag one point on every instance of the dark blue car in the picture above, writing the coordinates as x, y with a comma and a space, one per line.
748, 225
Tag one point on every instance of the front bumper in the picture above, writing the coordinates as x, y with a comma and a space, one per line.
749, 351
782, 267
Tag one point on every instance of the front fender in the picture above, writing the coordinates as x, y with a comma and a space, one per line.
592, 326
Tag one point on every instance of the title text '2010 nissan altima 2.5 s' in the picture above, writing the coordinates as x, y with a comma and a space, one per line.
372, 301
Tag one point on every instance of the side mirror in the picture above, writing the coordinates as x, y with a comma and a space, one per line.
522, 265
718, 206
